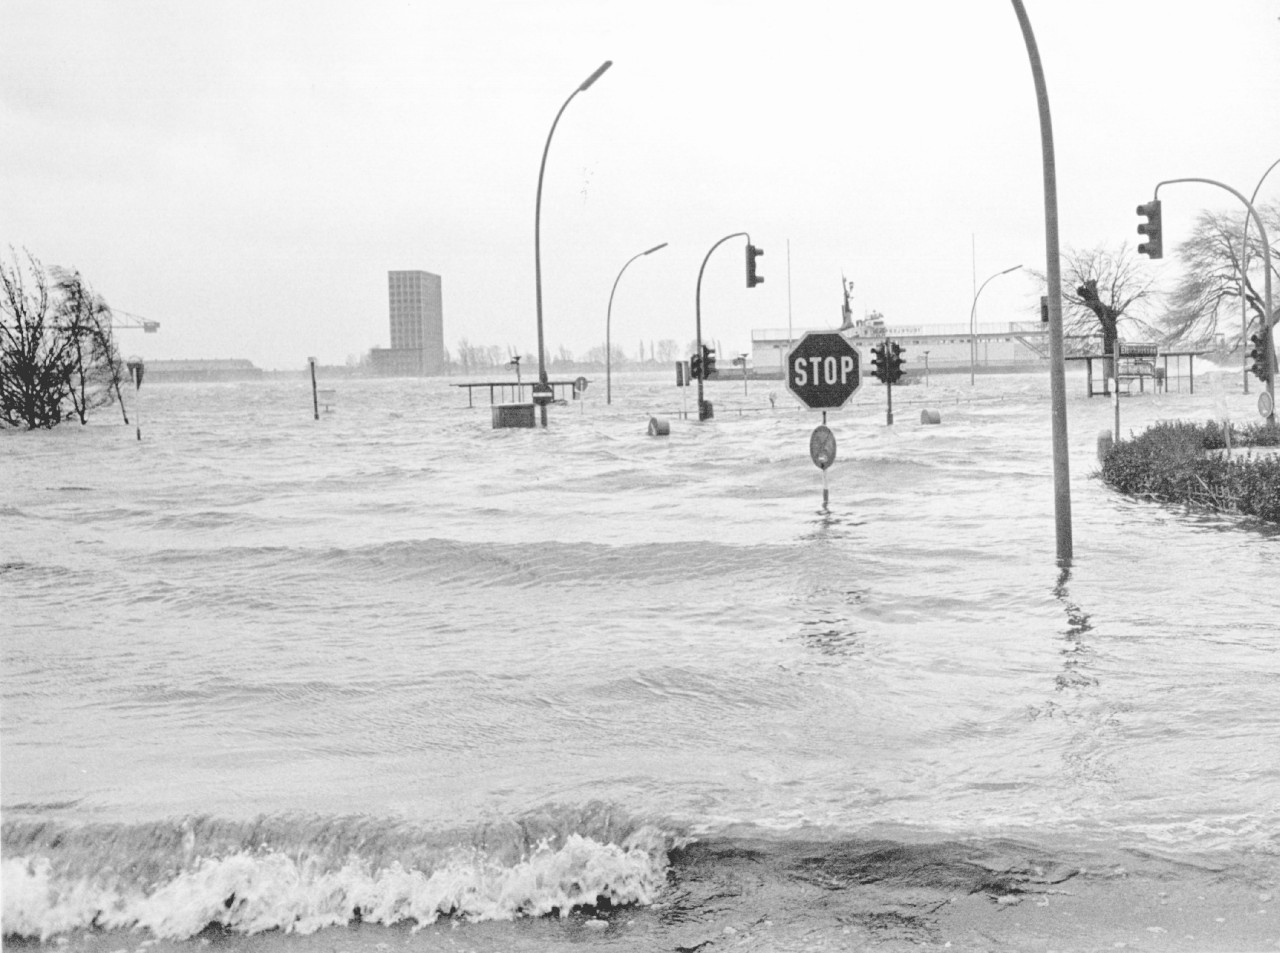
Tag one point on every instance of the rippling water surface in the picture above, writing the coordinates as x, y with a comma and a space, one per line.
274, 673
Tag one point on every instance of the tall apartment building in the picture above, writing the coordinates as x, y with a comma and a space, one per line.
417, 325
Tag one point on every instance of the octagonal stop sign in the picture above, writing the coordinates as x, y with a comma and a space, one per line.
823, 370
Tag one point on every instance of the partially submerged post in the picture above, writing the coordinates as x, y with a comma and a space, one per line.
315, 398
822, 450
135, 367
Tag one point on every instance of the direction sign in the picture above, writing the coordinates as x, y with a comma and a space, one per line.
823, 370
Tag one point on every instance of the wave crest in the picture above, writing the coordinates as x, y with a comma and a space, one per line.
252, 891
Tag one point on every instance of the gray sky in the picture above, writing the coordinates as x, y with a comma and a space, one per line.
246, 172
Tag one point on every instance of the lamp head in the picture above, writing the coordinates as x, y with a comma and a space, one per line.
586, 83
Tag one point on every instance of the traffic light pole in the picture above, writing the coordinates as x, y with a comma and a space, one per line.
1244, 258
1268, 316
697, 307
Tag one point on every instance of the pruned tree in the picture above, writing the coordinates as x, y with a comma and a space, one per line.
1206, 300
1103, 291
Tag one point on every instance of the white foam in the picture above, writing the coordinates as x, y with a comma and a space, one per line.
255, 892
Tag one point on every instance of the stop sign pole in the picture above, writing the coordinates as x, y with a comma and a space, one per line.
823, 372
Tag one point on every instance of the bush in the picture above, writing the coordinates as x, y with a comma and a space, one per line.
1169, 463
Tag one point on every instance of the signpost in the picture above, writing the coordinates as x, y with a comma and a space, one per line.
823, 371
822, 448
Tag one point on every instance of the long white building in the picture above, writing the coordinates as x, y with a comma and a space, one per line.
943, 347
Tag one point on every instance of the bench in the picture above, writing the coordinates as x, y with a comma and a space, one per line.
1137, 363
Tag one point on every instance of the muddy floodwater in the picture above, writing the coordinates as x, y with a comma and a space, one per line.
396, 679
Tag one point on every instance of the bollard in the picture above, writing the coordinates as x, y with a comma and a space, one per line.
930, 417
1105, 443
659, 427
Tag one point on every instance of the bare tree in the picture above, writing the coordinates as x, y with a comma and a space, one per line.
1102, 289
33, 359
57, 356
1206, 300
96, 368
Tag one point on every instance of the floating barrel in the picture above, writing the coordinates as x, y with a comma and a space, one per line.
930, 417
659, 427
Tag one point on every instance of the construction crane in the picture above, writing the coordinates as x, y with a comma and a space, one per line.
123, 319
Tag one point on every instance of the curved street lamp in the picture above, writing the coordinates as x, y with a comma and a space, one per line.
1268, 313
1244, 259
973, 340
537, 223
697, 311
608, 347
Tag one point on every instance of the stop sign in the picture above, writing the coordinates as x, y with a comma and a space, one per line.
823, 370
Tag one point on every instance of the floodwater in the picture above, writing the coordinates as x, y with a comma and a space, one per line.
394, 678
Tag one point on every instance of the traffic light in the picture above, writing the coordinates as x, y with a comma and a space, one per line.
1261, 367
695, 367
879, 366
1044, 309
708, 361
752, 254
1153, 246
894, 362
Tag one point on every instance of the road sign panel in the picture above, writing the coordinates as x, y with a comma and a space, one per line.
822, 446
823, 370
543, 393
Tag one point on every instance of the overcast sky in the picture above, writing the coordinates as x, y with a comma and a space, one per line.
246, 172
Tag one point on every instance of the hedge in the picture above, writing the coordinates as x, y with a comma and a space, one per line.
1169, 463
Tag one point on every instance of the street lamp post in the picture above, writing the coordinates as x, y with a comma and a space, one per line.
1244, 259
608, 318
697, 308
973, 340
537, 224
1053, 279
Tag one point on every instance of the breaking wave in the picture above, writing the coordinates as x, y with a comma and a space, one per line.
176, 879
